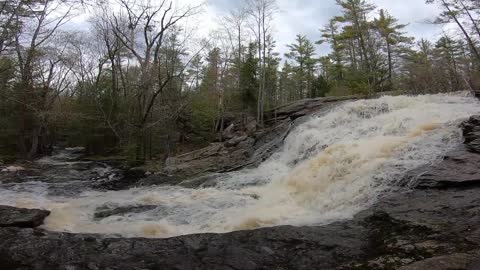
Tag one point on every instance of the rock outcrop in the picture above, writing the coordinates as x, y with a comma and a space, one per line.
250, 144
459, 168
23, 218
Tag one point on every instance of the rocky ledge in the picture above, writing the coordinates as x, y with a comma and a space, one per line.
23, 218
433, 226
249, 144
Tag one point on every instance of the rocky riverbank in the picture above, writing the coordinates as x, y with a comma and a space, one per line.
249, 145
431, 223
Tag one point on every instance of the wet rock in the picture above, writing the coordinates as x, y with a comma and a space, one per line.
304, 107
13, 169
275, 248
208, 180
102, 213
448, 262
134, 173
121, 180
215, 158
19, 217
76, 150
471, 132
159, 180
460, 168
200, 161
228, 133
251, 127
236, 140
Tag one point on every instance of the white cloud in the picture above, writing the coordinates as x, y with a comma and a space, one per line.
306, 17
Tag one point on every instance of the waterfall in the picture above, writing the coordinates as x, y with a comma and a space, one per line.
329, 168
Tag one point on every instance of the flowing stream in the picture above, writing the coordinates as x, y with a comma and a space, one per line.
330, 168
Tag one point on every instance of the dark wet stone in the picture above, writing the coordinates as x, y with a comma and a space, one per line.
159, 180
102, 213
19, 217
304, 107
459, 169
206, 181
261, 249
448, 262
123, 180
471, 132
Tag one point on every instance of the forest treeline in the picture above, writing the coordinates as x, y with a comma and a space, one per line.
140, 84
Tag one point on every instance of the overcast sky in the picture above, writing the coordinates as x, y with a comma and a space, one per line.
306, 17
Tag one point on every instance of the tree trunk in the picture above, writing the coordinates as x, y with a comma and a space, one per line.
469, 14
260, 89
264, 70
34, 147
467, 36
390, 64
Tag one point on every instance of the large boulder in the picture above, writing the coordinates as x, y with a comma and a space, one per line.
214, 158
105, 212
305, 107
24, 218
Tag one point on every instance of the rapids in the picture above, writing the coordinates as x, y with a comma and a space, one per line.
330, 168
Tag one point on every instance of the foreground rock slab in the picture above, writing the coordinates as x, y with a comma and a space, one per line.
24, 218
449, 262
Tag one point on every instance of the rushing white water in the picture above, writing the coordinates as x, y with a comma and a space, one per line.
330, 168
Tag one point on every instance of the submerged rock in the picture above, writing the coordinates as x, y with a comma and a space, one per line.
13, 169
107, 212
24, 218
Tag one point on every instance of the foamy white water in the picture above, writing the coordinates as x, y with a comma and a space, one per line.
330, 168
